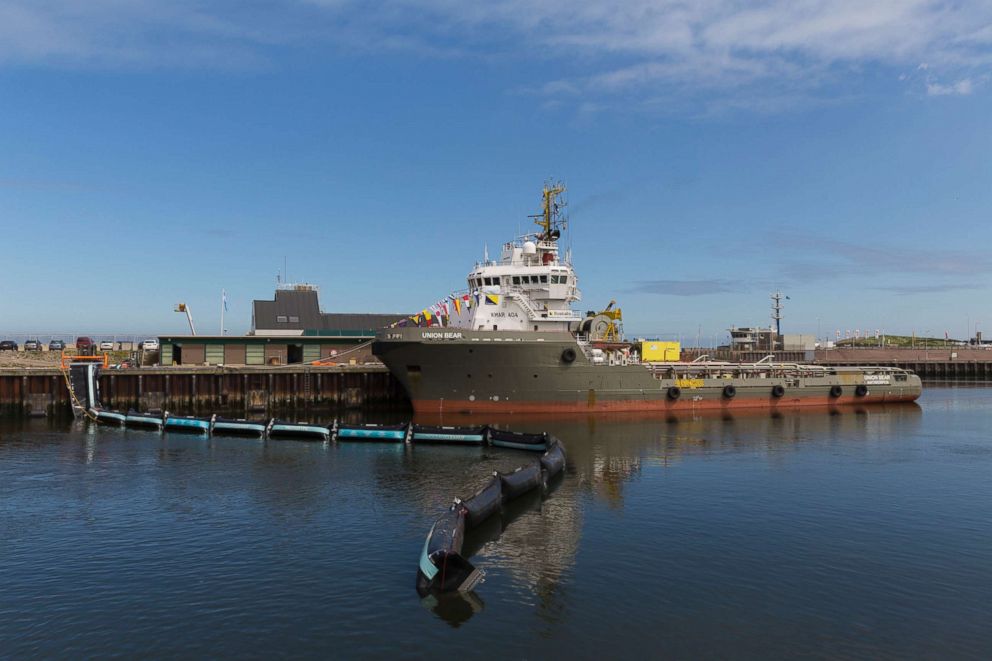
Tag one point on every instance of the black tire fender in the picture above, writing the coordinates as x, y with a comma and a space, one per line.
861, 390
568, 355
836, 391
778, 391
729, 391
674, 393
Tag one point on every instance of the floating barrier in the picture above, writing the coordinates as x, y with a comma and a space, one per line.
458, 435
187, 423
520, 481
109, 417
442, 567
398, 433
238, 427
370, 432
146, 420
483, 504
284, 429
518, 440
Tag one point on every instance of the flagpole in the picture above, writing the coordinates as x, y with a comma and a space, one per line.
223, 294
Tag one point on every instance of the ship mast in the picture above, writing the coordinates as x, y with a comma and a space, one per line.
550, 219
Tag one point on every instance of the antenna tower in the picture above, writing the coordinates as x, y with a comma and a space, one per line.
777, 312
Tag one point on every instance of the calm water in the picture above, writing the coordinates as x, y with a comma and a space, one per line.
863, 534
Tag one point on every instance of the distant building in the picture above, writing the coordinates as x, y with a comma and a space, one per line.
752, 338
798, 342
295, 310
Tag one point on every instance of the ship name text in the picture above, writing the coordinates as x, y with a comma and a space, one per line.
441, 335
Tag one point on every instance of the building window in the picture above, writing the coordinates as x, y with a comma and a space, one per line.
281, 319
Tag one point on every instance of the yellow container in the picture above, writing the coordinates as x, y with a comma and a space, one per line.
656, 351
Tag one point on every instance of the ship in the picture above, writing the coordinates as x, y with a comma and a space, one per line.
516, 345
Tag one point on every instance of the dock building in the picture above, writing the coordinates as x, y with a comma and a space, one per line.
289, 329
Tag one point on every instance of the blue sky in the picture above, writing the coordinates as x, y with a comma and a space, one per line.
714, 152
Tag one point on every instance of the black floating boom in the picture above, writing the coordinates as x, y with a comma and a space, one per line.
442, 567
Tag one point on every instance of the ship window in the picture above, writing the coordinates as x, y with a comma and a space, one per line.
516, 279
544, 279
294, 320
489, 281
281, 319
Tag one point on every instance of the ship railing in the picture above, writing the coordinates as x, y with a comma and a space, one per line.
717, 370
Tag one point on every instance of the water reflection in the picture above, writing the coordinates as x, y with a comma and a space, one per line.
280, 536
607, 450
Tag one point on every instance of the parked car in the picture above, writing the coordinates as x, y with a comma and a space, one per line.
106, 345
32, 345
56, 345
84, 346
8, 345
150, 345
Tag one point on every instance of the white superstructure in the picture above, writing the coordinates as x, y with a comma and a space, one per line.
530, 288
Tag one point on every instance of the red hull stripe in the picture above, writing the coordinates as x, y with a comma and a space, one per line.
685, 404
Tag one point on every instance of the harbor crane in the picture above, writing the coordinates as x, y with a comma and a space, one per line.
182, 307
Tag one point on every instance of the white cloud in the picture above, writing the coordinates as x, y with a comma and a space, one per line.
758, 49
963, 86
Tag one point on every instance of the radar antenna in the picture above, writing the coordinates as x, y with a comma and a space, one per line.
552, 219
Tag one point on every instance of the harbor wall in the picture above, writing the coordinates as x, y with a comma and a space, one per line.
243, 391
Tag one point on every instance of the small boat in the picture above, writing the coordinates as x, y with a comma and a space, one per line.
187, 423
298, 430
238, 427
147, 420
372, 432
518, 440
108, 417
460, 435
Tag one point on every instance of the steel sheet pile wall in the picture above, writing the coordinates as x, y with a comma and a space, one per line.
194, 390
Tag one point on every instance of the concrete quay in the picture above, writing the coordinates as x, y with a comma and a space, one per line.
950, 363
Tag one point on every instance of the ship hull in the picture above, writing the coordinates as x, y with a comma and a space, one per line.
462, 371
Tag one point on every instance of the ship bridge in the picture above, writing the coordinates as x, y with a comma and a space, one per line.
530, 287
